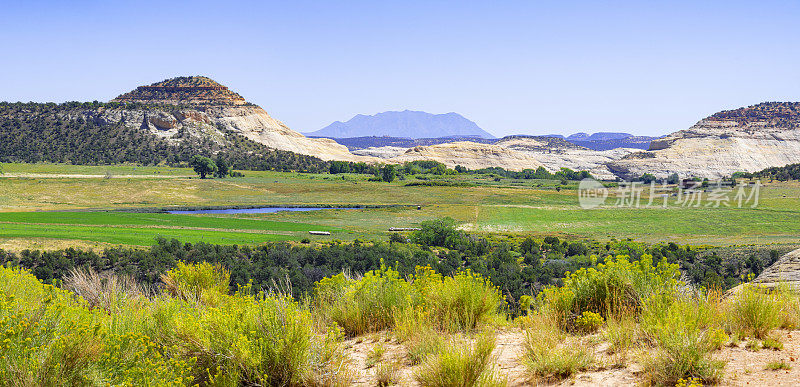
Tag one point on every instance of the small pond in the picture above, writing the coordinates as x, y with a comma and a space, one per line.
260, 210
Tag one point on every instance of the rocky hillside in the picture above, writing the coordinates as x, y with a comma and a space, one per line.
471, 155
406, 124
195, 90
513, 153
743, 140
557, 153
202, 108
95, 133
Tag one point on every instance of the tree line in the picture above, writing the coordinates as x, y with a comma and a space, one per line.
519, 267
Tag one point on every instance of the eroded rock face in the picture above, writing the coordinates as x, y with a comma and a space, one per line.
202, 108
470, 155
556, 155
742, 140
785, 270
514, 153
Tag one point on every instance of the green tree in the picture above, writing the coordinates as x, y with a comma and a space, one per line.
438, 232
388, 173
222, 168
203, 166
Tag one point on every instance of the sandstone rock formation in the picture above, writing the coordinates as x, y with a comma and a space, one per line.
785, 270
742, 140
470, 155
200, 107
555, 153
513, 153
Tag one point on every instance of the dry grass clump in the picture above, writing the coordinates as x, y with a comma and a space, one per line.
778, 365
753, 312
547, 356
457, 303
387, 374
414, 328
683, 334
460, 364
107, 292
621, 331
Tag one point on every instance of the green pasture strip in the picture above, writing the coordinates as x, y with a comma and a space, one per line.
632, 222
69, 169
157, 220
132, 235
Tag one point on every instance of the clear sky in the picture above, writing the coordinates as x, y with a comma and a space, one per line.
534, 67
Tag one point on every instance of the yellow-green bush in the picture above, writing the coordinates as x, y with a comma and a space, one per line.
684, 333
614, 286
460, 364
754, 312
49, 337
589, 322
366, 304
460, 302
201, 282
372, 303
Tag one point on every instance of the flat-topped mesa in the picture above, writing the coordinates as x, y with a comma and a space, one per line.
196, 90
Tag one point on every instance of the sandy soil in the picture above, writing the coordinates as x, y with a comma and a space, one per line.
744, 367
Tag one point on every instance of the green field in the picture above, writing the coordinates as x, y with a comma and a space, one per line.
143, 228
492, 205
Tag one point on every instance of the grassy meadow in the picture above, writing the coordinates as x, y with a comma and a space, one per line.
488, 205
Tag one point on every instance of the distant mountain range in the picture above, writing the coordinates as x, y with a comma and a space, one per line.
404, 124
597, 141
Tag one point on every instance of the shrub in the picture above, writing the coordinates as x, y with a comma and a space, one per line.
460, 364
589, 322
107, 292
50, 338
754, 312
387, 374
613, 287
682, 332
366, 304
48, 343
439, 232
460, 302
247, 340
197, 282
546, 356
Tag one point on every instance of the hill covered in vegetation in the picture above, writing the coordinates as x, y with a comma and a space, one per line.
77, 133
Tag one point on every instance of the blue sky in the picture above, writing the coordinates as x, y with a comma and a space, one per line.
513, 67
